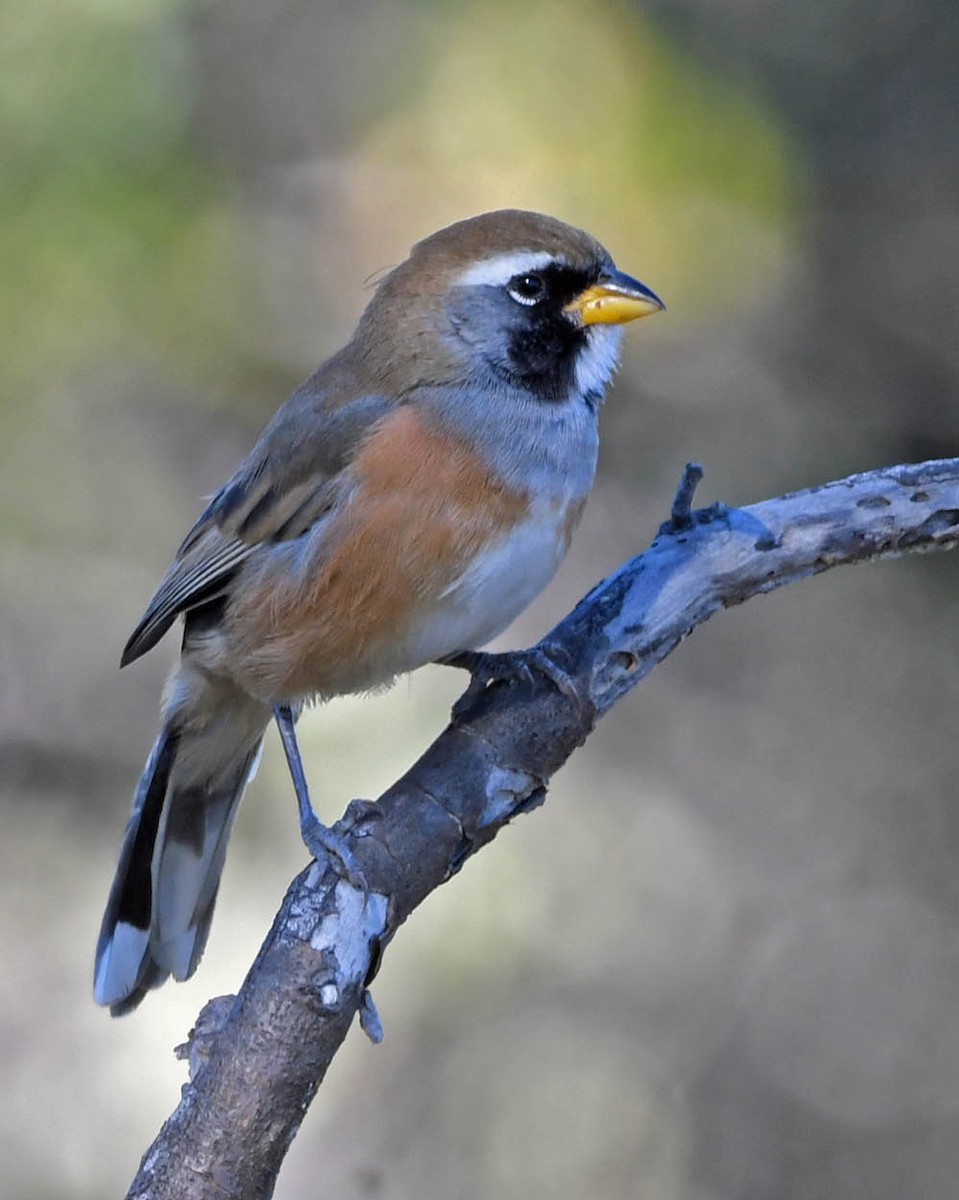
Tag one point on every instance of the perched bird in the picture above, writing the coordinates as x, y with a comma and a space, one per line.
402, 507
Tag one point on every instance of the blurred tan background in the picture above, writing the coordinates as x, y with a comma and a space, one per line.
722, 964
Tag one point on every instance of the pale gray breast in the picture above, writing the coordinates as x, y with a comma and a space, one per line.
547, 449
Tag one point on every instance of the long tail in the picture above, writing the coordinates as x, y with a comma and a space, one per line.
161, 903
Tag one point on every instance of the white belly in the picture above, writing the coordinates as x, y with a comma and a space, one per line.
492, 592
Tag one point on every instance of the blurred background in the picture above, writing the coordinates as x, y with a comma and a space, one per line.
722, 964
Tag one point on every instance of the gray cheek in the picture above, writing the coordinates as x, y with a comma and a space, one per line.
475, 323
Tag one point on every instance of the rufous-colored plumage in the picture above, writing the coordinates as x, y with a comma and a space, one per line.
404, 505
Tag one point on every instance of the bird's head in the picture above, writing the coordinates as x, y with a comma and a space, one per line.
508, 296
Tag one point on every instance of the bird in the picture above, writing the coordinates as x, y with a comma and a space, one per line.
402, 507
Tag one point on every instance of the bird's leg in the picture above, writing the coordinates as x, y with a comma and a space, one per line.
318, 838
520, 665
286, 723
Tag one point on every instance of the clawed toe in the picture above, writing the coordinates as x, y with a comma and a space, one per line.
323, 842
515, 665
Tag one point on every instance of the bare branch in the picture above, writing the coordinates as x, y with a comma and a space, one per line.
262, 1057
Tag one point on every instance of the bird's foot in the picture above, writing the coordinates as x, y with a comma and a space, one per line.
521, 666
324, 842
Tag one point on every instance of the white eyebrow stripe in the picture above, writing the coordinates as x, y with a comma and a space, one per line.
498, 271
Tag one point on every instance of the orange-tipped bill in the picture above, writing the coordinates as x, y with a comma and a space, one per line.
614, 299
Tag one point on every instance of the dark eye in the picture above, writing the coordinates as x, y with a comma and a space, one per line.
528, 288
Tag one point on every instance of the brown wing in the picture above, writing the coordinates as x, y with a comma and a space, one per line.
289, 480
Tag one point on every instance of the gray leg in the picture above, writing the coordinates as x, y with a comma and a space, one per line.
318, 839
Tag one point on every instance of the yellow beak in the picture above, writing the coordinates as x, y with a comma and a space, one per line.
614, 299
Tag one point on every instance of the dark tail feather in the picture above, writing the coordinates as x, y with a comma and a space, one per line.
158, 914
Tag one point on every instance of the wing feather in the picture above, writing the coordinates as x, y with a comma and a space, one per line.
290, 480
199, 576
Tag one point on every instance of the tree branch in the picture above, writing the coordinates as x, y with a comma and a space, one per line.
257, 1059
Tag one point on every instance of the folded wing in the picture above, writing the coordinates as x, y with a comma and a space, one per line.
291, 479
